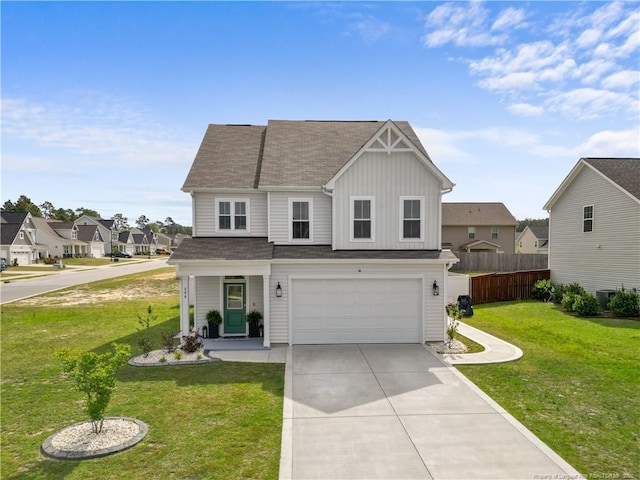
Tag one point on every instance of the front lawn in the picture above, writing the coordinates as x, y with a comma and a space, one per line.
214, 421
577, 386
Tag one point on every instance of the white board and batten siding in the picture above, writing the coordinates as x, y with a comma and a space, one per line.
204, 214
354, 284
280, 222
387, 178
609, 256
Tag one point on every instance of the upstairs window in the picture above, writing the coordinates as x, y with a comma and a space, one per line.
232, 215
494, 233
300, 215
74, 234
362, 218
587, 219
471, 232
411, 215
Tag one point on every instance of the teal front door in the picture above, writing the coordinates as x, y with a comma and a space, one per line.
234, 308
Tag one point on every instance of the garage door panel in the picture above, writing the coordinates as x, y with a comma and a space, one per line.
356, 311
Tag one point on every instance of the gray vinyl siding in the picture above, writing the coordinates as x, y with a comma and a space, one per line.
609, 256
208, 295
279, 213
204, 214
434, 306
387, 178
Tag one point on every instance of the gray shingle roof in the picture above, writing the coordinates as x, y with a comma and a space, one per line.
227, 158
623, 171
223, 248
258, 248
476, 214
540, 232
284, 153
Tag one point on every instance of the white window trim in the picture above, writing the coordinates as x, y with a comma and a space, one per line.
290, 220
233, 201
352, 200
593, 214
401, 215
497, 232
469, 231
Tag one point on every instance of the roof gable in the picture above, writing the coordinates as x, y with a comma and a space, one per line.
468, 214
391, 138
623, 173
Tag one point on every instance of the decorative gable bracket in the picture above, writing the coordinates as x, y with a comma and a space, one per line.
388, 140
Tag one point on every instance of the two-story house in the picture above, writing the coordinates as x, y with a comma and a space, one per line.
533, 239
478, 227
594, 225
18, 245
330, 229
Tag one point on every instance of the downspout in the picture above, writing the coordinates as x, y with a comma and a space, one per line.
329, 193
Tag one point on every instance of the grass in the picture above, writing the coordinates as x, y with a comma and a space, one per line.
577, 386
210, 421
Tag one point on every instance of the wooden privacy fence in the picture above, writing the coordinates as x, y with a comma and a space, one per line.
500, 287
499, 262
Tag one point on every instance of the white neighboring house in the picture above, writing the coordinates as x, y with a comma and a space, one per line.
332, 230
533, 239
594, 230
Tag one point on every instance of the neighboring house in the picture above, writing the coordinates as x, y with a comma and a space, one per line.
91, 236
330, 229
594, 225
69, 231
533, 240
17, 243
141, 242
48, 242
478, 227
107, 229
126, 242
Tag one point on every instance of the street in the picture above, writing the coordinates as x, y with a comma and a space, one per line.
10, 291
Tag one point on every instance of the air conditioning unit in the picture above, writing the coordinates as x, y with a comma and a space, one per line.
604, 296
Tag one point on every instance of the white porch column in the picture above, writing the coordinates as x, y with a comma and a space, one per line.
265, 316
184, 306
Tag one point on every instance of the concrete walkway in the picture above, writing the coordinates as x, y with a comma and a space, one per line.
495, 350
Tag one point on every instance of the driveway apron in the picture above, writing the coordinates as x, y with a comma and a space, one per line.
398, 412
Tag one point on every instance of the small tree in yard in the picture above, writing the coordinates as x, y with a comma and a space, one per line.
455, 314
144, 342
95, 375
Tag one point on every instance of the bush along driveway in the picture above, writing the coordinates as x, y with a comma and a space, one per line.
577, 387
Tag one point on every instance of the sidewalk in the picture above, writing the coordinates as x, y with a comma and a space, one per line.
495, 350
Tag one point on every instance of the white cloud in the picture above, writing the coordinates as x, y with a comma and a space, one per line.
525, 110
623, 80
582, 65
460, 24
585, 103
625, 143
96, 126
509, 18
370, 28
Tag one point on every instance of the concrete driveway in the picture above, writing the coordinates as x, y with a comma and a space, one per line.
398, 412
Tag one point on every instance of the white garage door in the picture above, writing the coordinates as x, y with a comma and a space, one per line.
356, 311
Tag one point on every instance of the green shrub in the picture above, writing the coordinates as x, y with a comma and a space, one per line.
568, 299
586, 305
625, 303
560, 289
541, 290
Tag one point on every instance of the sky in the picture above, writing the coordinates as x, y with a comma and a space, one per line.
104, 104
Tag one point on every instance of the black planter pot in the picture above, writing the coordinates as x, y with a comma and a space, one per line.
254, 330
213, 331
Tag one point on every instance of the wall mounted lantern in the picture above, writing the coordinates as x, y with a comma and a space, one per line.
436, 288
278, 290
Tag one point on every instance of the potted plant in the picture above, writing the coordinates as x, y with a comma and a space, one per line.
214, 319
254, 318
